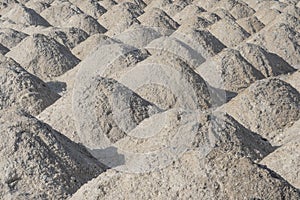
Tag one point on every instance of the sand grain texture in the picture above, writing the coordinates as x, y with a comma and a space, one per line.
149, 99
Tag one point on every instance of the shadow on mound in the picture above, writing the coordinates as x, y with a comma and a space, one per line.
109, 154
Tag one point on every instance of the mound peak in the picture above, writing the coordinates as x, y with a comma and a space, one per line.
23, 90
45, 57
264, 101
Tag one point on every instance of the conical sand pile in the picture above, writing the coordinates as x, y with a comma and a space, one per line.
264, 101
149, 99
38, 162
23, 90
45, 56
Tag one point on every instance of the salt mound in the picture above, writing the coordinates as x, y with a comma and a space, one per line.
10, 37
60, 12
43, 57
238, 9
30, 30
38, 162
281, 39
144, 96
69, 37
171, 45
195, 22
230, 71
119, 111
98, 63
140, 3
168, 81
38, 5
276, 5
156, 4
267, 15
20, 14
211, 17
265, 101
86, 23
201, 41
235, 33
120, 17
174, 132
241, 10
23, 90
206, 4
66, 14
230, 135
251, 24
86, 47
110, 59
187, 13
158, 18
107, 4
267, 63
121, 64
224, 14
3, 49
194, 130
224, 164
139, 36
252, 4
287, 156
170, 7
195, 17
90, 7
224, 4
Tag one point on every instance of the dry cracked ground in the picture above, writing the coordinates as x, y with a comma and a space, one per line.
149, 99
